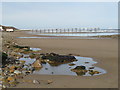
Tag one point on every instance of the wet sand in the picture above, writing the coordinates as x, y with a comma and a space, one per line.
104, 51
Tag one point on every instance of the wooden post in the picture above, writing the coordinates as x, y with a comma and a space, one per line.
52, 30
40, 31
68, 30
56, 30
72, 30
64, 31
80, 30
48, 31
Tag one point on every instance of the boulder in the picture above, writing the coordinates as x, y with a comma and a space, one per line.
56, 58
80, 70
37, 64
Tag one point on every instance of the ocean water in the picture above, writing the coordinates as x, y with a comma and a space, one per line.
75, 34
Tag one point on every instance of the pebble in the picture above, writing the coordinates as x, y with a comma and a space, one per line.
49, 81
17, 72
36, 81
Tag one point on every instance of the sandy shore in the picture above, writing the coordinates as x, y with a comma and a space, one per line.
104, 51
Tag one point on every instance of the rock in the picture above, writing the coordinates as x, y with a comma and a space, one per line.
37, 64
22, 61
92, 72
71, 64
43, 61
12, 70
21, 47
91, 67
10, 79
28, 72
17, 72
36, 81
32, 55
46, 68
56, 58
4, 58
86, 62
80, 68
81, 73
49, 81
16, 50
8, 46
12, 67
52, 72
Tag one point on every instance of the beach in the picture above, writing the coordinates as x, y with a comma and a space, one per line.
104, 51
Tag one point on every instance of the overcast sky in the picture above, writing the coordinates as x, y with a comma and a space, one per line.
36, 15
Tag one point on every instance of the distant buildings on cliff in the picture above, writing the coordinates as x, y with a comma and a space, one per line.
7, 28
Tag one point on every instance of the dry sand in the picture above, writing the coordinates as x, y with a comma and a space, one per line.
104, 51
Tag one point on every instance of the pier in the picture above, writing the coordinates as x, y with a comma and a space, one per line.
73, 30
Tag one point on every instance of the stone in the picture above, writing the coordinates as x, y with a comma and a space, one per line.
10, 79
32, 55
91, 67
16, 50
56, 58
12, 67
71, 64
37, 64
92, 72
22, 61
46, 68
17, 72
86, 62
80, 68
12, 70
49, 81
4, 58
36, 81
21, 47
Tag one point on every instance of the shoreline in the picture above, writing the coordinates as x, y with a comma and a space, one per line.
104, 57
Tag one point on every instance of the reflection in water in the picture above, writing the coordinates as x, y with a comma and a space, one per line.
67, 68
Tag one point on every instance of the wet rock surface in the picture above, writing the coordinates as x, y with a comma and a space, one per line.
81, 70
56, 59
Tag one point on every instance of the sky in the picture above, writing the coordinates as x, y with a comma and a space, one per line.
40, 15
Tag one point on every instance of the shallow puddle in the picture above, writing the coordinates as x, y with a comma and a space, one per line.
77, 37
65, 69
35, 49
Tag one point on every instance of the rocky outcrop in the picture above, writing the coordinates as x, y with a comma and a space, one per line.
53, 58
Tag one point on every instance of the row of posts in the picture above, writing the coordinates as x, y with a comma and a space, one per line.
64, 30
